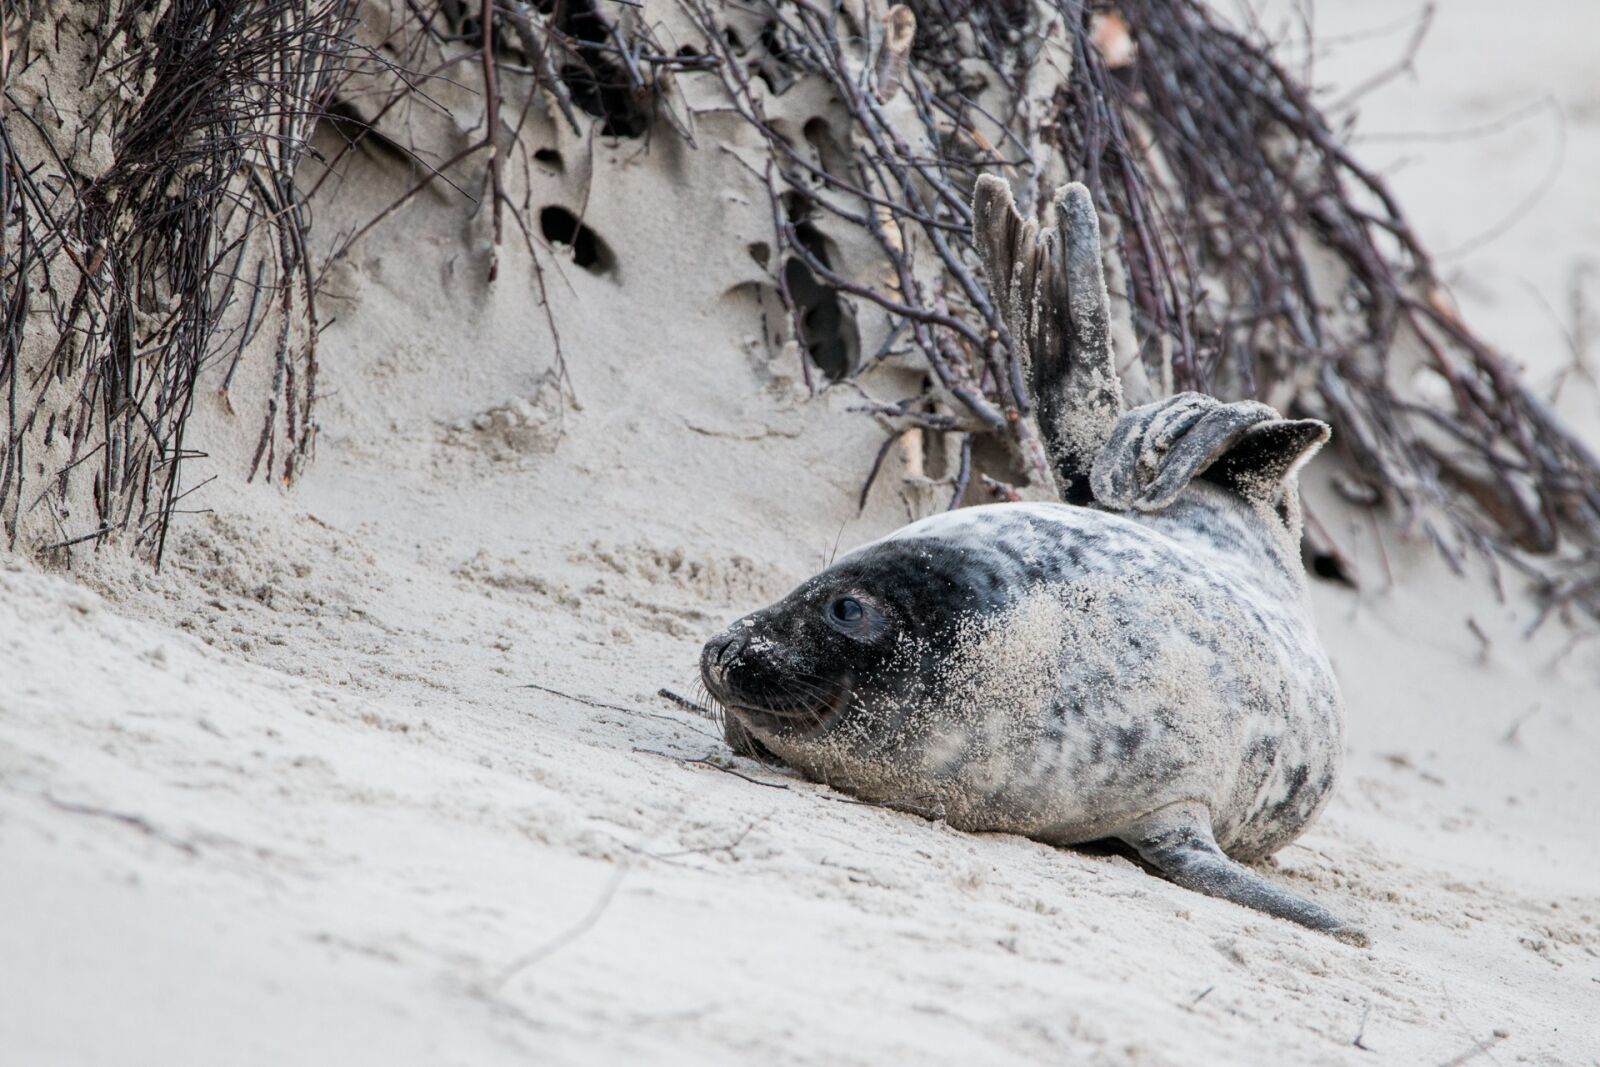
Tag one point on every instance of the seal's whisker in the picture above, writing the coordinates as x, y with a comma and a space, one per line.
811, 688
689, 704
836, 538
824, 688
820, 689
795, 697
718, 710
820, 705
827, 705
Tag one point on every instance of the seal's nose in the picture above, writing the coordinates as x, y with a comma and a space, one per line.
722, 649
720, 652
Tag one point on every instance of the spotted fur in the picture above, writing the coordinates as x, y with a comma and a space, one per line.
1143, 669
1187, 670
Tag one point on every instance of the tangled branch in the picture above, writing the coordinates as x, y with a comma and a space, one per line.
1258, 257
125, 248
1255, 255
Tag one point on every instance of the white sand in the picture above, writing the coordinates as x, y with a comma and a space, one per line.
284, 802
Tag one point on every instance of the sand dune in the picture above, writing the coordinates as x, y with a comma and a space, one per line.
291, 799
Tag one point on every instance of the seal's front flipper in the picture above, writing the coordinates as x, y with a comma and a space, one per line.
1177, 842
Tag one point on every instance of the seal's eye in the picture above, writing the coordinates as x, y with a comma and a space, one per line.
846, 613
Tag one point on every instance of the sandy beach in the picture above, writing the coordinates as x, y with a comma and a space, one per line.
375, 769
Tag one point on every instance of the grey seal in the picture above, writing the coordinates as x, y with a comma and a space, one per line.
1140, 665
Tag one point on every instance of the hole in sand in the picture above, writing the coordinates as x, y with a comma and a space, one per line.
830, 154
561, 226
598, 84
550, 158
758, 304
775, 68
1328, 567
992, 458
601, 89
826, 328
826, 323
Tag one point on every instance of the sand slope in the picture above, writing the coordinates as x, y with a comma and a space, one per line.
286, 802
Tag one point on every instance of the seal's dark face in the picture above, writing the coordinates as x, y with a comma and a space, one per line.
854, 639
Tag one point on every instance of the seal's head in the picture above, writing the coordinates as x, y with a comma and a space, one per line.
858, 638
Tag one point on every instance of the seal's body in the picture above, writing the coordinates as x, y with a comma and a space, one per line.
1143, 668
1073, 671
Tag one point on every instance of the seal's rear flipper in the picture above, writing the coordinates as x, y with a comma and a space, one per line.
1266, 455
1156, 450
1050, 290
1177, 842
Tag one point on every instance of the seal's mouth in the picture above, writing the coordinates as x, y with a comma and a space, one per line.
767, 693
806, 720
